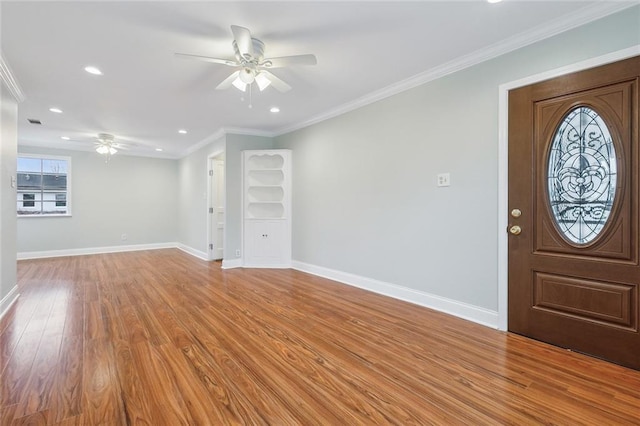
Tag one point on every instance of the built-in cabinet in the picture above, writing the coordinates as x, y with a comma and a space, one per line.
267, 208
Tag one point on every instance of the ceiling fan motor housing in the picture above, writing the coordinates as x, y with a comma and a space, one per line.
105, 138
258, 52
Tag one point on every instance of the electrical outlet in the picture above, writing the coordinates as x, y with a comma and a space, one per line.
444, 179
238, 253
124, 237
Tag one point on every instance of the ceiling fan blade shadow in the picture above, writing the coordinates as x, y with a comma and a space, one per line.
227, 62
242, 36
227, 82
278, 84
285, 61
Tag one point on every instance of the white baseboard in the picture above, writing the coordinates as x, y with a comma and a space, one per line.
8, 300
462, 310
113, 249
193, 252
267, 265
231, 263
93, 250
453, 307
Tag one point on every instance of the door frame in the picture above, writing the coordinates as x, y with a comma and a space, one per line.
503, 161
210, 158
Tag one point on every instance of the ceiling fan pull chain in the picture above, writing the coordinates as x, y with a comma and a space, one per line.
250, 96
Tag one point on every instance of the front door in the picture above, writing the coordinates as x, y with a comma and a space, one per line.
574, 274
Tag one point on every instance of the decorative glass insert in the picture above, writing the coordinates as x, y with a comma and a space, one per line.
582, 175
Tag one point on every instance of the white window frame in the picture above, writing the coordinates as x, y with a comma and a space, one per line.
68, 191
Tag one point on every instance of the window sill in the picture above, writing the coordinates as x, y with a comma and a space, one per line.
21, 216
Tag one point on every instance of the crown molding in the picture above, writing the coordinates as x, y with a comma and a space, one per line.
550, 29
7, 77
218, 134
248, 132
223, 132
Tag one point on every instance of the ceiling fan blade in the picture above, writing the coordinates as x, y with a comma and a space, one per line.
228, 81
278, 84
208, 59
242, 37
123, 147
285, 61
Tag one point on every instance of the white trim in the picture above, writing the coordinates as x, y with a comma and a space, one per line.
193, 252
210, 159
285, 265
580, 17
466, 311
8, 300
8, 78
503, 161
68, 191
248, 132
224, 131
218, 134
94, 250
231, 263
112, 249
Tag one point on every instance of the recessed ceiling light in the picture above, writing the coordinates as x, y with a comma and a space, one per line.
93, 70
182, 131
274, 109
66, 138
159, 149
494, 1
56, 110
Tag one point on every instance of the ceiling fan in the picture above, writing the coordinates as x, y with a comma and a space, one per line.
251, 63
106, 145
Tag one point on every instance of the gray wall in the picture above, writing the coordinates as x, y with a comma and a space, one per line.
8, 148
365, 199
193, 191
133, 195
193, 207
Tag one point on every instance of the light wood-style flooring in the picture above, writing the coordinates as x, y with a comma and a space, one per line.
162, 338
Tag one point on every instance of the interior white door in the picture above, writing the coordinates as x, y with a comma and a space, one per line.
217, 209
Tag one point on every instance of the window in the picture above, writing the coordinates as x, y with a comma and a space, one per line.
582, 175
44, 185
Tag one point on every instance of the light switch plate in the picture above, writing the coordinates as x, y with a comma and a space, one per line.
444, 179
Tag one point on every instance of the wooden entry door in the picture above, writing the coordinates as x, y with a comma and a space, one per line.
574, 274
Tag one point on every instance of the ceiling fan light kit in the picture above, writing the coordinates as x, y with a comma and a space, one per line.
251, 63
105, 149
105, 145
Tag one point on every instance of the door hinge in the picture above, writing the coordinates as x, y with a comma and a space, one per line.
210, 209
210, 246
210, 172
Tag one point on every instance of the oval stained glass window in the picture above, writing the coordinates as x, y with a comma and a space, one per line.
582, 175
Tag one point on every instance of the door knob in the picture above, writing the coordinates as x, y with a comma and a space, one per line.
516, 213
515, 230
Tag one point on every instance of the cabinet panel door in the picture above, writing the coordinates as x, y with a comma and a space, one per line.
264, 241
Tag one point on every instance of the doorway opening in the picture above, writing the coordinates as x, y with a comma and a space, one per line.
216, 209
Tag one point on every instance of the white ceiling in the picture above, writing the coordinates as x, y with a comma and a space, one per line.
365, 50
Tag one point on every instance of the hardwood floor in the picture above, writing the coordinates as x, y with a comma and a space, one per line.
162, 338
